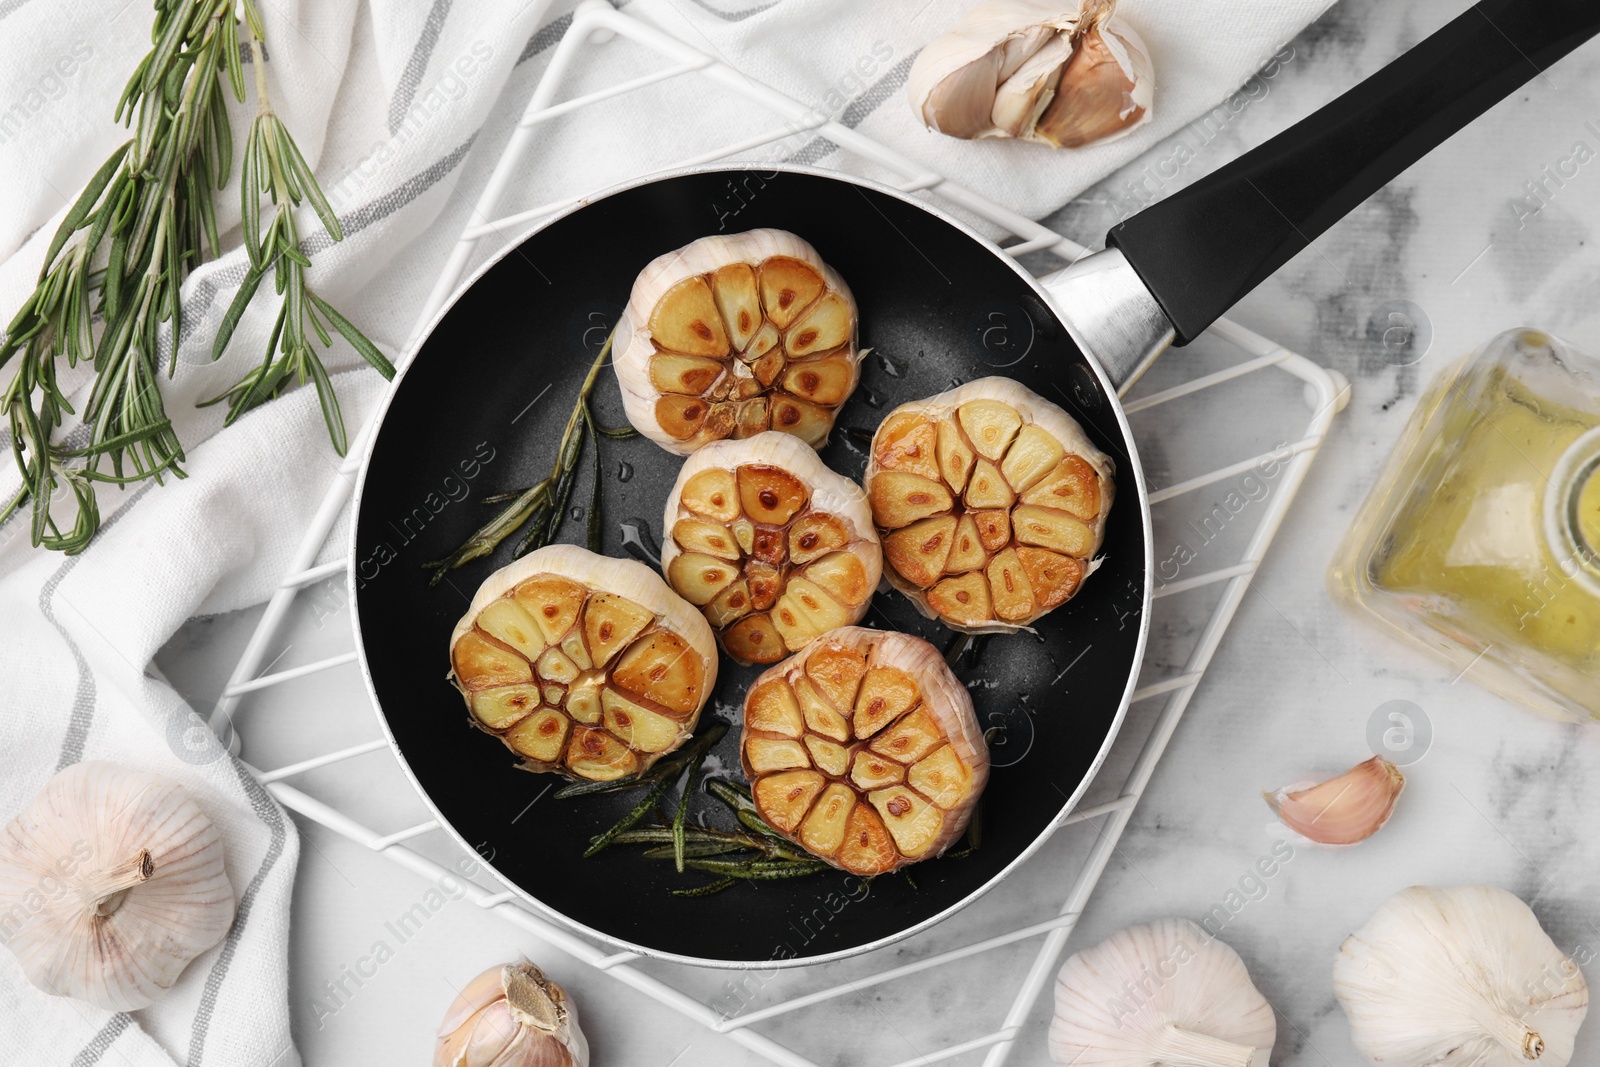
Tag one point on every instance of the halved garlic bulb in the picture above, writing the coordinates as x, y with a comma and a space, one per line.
111, 881
511, 1016
735, 334
773, 546
1059, 73
586, 666
864, 750
991, 504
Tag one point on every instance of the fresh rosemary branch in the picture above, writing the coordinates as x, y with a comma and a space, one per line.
541, 508
122, 252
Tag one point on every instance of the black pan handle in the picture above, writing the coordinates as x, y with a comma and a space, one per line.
1202, 249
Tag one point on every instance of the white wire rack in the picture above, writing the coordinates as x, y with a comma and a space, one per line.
1239, 356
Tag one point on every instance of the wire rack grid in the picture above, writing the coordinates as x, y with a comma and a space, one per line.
1246, 356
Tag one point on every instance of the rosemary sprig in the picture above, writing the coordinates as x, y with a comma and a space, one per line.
598, 843
679, 831
542, 507
122, 252
274, 167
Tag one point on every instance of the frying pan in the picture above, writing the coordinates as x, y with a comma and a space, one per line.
479, 406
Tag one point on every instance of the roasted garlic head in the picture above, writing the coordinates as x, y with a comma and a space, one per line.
772, 546
586, 666
733, 335
864, 750
991, 503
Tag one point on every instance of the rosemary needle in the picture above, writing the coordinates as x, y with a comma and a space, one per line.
542, 507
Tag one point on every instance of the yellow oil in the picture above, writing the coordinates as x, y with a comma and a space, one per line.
1477, 536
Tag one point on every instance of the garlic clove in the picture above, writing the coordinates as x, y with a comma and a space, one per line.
961, 105
626, 667
511, 1016
1097, 96
1002, 522
1459, 977
864, 749
771, 544
111, 882
1023, 96
733, 335
1065, 75
1165, 992
1344, 810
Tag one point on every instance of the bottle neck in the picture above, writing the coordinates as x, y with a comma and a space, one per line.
1572, 511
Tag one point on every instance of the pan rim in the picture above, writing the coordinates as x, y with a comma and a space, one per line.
375, 427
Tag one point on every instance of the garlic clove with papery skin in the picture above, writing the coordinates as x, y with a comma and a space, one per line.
1060, 72
586, 666
511, 1016
1459, 977
1163, 993
733, 335
1344, 810
111, 882
1101, 94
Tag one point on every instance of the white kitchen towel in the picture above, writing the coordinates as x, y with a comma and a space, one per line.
401, 106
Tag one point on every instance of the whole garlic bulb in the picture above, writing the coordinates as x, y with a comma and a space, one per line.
583, 665
773, 546
1059, 72
111, 881
735, 334
1164, 993
863, 749
1459, 977
511, 1016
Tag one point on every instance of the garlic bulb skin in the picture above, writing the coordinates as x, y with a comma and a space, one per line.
735, 334
1054, 72
863, 749
511, 1016
583, 665
111, 881
1164, 993
990, 502
1459, 977
773, 546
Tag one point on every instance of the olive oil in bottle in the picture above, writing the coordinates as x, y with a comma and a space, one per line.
1481, 540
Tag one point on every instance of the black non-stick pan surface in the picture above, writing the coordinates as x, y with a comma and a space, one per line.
479, 410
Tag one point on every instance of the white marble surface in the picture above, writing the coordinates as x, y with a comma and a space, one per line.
1501, 796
